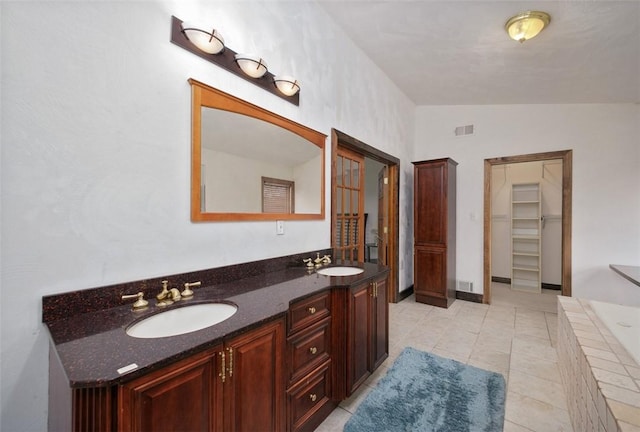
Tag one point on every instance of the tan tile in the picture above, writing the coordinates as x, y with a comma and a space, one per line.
607, 365
626, 427
633, 371
601, 345
620, 394
589, 334
493, 367
537, 388
512, 427
625, 413
536, 415
459, 356
603, 354
352, 402
537, 367
623, 381
534, 347
499, 359
539, 332
335, 421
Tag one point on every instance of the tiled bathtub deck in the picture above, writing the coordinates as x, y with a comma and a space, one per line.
601, 379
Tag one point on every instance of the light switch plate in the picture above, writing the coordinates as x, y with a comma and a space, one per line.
280, 227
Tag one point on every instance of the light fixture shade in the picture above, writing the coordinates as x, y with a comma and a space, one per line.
209, 41
287, 85
252, 65
527, 25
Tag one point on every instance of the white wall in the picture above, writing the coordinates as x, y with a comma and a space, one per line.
96, 152
606, 180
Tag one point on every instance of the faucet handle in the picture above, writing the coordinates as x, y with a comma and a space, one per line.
141, 303
187, 288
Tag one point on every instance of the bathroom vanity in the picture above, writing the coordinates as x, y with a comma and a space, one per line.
299, 343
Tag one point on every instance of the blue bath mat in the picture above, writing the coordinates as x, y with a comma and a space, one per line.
425, 392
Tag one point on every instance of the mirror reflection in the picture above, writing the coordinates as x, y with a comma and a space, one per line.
251, 164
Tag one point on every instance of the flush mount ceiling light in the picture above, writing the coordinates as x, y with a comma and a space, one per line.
252, 65
209, 41
526, 25
287, 85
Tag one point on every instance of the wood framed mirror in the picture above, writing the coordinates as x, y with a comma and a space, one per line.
249, 164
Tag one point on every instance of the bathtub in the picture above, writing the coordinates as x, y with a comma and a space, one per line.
600, 376
623, 322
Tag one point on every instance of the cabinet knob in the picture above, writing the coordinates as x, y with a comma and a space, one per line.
313, 397
313, 350
312, 310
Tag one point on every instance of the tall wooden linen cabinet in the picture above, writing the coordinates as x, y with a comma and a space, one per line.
434, 221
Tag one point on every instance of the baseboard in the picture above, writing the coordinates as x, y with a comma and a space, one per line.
472, 297
544, 285
500, 279
404, 294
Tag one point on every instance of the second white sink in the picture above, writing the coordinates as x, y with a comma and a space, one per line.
339, 271
182, 320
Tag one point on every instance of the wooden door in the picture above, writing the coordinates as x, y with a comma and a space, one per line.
383, 215
379, 325
430, 282
359, 335
183, 396
254, 389
348, 235
430, 201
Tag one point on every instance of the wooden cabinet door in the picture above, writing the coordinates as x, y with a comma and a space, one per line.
254, 385
359, 336
430, 203
380, 325
430, 282
181, 397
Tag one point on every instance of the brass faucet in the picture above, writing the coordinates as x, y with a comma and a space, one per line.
140, 303
167, 296
317, 262
187, 289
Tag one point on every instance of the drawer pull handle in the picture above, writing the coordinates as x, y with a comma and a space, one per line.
313, 350
313, 397
312, 310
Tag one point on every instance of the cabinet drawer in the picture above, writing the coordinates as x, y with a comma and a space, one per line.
309, 397
308, 311
308, 348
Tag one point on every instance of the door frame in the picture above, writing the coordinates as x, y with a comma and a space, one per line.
567, 175
343, 140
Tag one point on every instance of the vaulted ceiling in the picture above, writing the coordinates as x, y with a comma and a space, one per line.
458, 52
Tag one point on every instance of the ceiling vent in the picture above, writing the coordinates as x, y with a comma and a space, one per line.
464, 130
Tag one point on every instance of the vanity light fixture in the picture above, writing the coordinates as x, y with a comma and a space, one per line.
287, 85
209, 45
209, 41
253, 66
526, 25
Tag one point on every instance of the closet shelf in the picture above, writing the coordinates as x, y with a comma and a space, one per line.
526, 231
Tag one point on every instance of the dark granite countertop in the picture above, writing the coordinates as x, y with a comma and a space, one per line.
631, 273
92, 347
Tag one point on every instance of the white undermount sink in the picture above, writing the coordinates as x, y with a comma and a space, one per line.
181, 320
339, 271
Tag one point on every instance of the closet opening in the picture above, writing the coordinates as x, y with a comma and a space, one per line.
513, 208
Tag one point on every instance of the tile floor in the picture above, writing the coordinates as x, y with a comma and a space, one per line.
515, 336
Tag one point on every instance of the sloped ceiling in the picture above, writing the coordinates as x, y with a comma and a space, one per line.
458, 53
